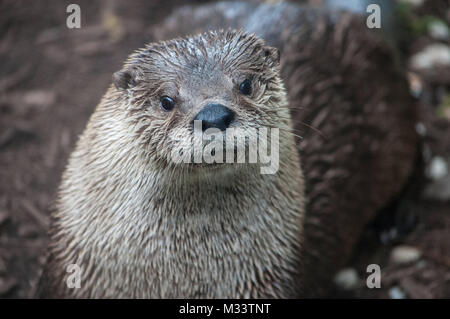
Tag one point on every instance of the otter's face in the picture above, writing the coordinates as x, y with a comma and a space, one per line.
223, 80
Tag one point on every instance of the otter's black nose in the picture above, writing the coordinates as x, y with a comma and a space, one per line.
215, 115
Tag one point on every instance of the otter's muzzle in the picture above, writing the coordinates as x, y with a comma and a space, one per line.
216, 116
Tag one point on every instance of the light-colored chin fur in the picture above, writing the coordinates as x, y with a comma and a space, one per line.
139, 231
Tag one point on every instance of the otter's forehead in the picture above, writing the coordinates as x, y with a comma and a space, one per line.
207, 55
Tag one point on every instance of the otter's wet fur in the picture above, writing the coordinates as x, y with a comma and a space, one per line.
349, 101
141, 226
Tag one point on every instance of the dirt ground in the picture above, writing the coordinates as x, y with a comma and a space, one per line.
51, 78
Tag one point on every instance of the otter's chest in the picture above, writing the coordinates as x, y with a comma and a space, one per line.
223, 265
208, 258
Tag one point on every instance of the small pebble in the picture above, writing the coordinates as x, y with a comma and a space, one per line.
415, 84
438, 168
434, 55
405, 255
421, 264
438, 30
396, 293
346, 279
39, 97
421, 129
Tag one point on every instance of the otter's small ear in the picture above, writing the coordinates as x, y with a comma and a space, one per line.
272, 56
124, 79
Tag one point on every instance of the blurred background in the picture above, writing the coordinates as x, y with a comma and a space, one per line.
52, 77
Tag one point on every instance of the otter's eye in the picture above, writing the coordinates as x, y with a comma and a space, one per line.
246, 87
167, 103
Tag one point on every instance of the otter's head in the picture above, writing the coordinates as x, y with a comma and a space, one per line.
225, 79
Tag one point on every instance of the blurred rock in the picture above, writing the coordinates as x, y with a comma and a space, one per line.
439, 189
437, 168
438, 172
434, 55
421, 129
421, 264
415, 84
39, 97
24, 101
405, 255
346, 279
438, 30
396, 293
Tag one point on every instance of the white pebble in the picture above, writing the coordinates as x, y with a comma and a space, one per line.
437, 168
396, 293
421, 129
434, 55
346, 279
438, 30
405, 255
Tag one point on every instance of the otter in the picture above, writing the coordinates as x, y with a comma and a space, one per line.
140, 225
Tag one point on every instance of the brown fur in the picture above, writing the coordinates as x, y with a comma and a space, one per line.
141, 226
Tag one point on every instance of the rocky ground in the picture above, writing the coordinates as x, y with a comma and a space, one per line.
414, 251
51, 78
